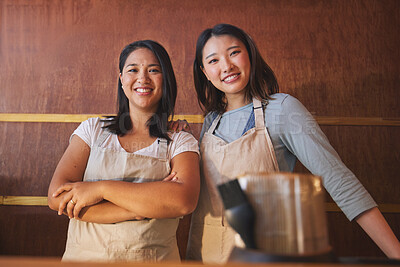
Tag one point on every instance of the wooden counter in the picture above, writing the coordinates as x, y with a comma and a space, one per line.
48, 262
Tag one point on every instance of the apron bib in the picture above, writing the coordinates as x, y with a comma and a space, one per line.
211, 239
145, 240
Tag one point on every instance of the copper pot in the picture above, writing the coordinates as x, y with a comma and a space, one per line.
290, 212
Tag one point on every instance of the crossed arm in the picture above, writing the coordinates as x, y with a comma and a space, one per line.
116, 201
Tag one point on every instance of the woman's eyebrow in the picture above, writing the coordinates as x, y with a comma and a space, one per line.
150, 65
229, 48
233, 47
210, 55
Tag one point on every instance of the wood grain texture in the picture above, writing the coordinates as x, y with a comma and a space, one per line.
54, 262
33, 231
339, 58
371, 153
29, 153
23, 200
349, 240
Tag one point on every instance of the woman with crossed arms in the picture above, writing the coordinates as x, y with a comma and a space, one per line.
125, 181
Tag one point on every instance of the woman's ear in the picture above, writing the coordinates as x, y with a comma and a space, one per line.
204, 71
120, 77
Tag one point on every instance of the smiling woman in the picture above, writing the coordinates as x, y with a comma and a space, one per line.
141, 81
247, 116
125, 181
219, 55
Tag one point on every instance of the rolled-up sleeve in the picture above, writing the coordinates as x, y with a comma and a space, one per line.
303, 137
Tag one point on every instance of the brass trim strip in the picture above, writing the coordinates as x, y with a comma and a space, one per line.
322, 120
23, 200
384, 207
357, 121
31, 117
190, 118
42, 201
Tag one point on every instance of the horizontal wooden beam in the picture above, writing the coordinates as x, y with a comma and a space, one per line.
31, 117
23, 200
384, 207
357, 121
322, 120
42, 201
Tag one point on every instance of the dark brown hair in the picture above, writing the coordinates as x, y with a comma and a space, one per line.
262, 82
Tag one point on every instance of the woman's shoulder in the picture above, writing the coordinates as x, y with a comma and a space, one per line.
90, 129
182, 142
280, 98
284, 103
182, 136
95, 124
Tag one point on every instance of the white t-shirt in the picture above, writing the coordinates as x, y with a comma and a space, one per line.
90, 130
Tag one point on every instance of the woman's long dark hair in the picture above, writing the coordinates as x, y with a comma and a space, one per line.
122, 123
262, 82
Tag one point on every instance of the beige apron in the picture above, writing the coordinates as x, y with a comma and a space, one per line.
145, 240
211, 239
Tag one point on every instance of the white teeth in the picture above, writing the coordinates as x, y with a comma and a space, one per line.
230, 78
143, 90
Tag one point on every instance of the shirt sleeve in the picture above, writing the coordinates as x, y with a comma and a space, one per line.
88, 131
183, 142
304, 138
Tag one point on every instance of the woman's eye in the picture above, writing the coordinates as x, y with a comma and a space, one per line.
132, 70
154, 70
212, 61
235, 52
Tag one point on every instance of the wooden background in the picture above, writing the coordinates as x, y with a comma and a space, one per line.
339, 58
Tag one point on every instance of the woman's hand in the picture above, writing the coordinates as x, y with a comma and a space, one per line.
78, 195
171, 178
179, 125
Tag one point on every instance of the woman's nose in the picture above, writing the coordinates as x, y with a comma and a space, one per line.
226, 65
143, 77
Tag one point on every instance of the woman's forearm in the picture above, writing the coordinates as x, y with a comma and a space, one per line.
106, 212
102, 212
159, 199
375, 225
162, 199
153, 200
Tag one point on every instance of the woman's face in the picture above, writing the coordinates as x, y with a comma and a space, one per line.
142, 80
227, 64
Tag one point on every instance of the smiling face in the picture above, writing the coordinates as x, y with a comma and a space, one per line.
227, 65
142, 80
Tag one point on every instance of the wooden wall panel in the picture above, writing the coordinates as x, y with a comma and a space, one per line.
340, 58
29, 155
33, 231
371, 153
337, 52
349, 240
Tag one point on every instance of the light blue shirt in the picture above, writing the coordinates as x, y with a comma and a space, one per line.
296, 135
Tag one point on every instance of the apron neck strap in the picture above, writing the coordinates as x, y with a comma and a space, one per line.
258, 113
162, 148
103, 136
258, 117
214, 124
